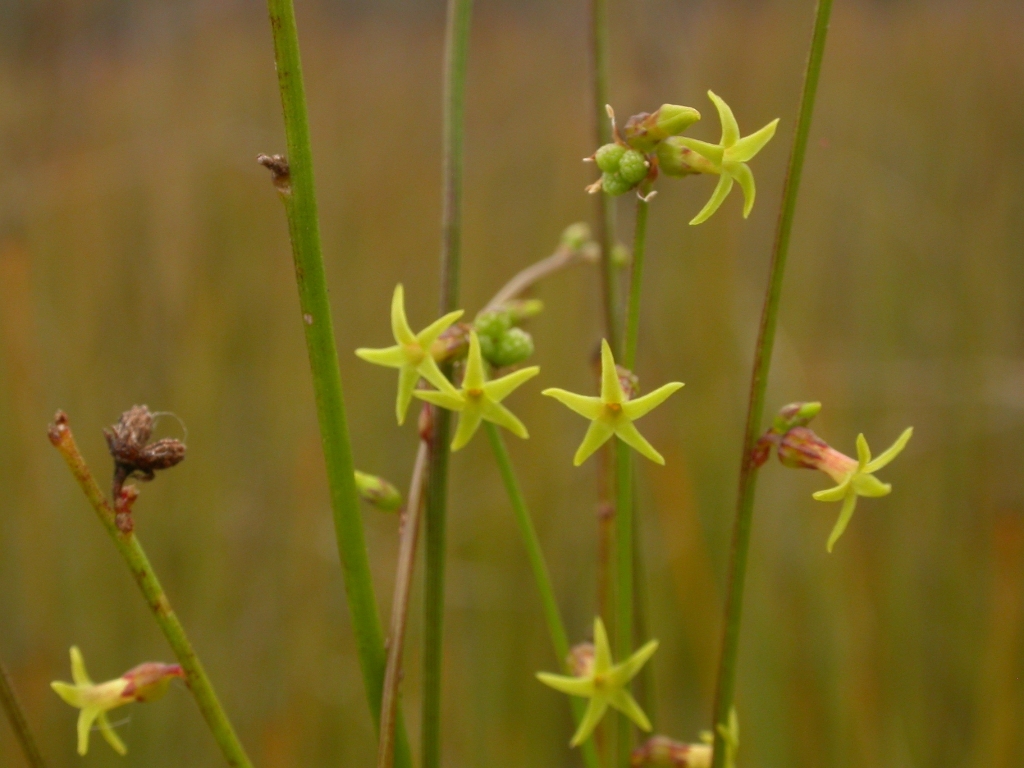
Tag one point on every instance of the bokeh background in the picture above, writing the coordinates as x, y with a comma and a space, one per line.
144, 259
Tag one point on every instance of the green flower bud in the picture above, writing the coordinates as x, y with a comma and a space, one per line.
645, 130
608, 156
614, 184
795, 415
493, 323
671, 120
633, 167
576, 236
620, 256
378, 492
675, 159
513, 347
523, 309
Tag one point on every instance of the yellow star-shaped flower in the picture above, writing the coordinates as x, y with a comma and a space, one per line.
605, 684
613, 413
411, 355
479, 399
145, 682
857, 479
729, 158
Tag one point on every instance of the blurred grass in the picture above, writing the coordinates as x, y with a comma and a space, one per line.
144, 258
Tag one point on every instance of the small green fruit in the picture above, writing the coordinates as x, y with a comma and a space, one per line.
633, 167
608, 156
487, 345
614, 184
513, 347
493, 323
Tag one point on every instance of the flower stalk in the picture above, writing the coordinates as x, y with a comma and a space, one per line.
293, 177
726, 677
541, 576
19, 723
131, 551
400, 604
456, 52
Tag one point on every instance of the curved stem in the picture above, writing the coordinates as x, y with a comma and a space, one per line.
135, 557
19, 723
400, 607
726, 683
534, 273
456, 48
549, 603
294, 179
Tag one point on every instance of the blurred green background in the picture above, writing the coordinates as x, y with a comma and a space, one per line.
144, 259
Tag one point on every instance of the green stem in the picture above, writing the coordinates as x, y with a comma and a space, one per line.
549, 603
726, 683
624, 544
456, 49
135, 557
599, 39
19, 723
636, 276
294, 179
624, 578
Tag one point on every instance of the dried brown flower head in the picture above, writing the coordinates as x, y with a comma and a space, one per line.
134, 455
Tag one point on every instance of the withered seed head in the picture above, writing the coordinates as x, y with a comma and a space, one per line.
134, 456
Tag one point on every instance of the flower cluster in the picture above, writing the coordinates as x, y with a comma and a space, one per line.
650, 143
493, 340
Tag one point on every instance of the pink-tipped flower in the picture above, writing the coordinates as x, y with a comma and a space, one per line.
146, 682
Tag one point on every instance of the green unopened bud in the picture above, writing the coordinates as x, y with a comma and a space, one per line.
614, 184
795, 415
512, 347
673, 119
620, 256
633, 167
674, 159
378, 492
645, 130
523, 309
493, 322
608, 156
576, 236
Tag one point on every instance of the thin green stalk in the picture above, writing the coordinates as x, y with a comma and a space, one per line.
549, 603
624, 544
599, 39
294, 179
456, 50
135, 557
758, 384
624, 578
636, 276
19, 723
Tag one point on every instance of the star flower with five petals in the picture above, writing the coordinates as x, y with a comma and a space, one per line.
729, 158
856, 478
411, 355
480, 399
145, 682
605, 684
613, 413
